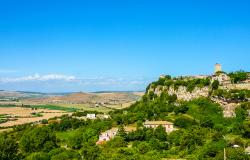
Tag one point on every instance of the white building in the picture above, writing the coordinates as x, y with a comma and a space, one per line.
108, 135
91, 116
169, 127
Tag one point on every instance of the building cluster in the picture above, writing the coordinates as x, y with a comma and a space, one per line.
223, 78
220, 76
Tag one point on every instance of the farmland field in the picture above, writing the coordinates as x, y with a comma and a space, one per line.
29, 109
20, 115
85, 107
11, 115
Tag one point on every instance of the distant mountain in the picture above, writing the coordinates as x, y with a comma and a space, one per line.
82, 97
26, 94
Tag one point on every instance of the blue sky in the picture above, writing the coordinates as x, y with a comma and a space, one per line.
61, 46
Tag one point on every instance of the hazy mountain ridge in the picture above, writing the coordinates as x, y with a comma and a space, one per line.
82, 97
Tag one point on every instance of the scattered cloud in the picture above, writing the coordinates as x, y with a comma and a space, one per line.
37, 77
61, 82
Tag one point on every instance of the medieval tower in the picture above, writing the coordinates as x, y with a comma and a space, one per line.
217, 68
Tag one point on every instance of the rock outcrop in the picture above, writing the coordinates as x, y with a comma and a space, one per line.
182, 93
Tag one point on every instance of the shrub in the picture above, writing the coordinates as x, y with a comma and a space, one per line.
184, 122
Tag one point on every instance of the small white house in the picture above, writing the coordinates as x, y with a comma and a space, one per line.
110, 134
91, 116
107, 136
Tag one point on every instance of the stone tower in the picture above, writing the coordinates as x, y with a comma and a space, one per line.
217, 68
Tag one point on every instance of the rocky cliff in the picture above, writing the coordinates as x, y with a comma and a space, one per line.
182, 93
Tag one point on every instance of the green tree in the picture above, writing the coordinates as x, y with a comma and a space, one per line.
121, 132
215, 84
234, 154
241, 114
171, 98
192, 139
38, 139
151, 95
8, 148
75, 141
238, 76
181, 109
212, 149
176, 136
66, 155
117, 142
184, 122
246, 130
160, 133
143, 147
207, 122
90, 152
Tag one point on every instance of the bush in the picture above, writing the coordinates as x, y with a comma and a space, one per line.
215, 85
117, 142
184, 122
143, 147
212, 149
181, 109
206, 122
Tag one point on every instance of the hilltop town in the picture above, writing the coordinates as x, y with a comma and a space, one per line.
191, 87
186, 117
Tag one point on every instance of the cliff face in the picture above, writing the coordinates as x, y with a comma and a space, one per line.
182, 93
228, 96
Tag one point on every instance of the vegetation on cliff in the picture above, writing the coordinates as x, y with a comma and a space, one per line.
190, 83
238, 76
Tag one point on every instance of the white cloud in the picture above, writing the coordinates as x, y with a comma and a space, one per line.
61, 82
37, 77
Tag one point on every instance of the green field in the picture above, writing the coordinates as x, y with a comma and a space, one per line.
53, 107
6, 105
3, 118
71, 107
85, 107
